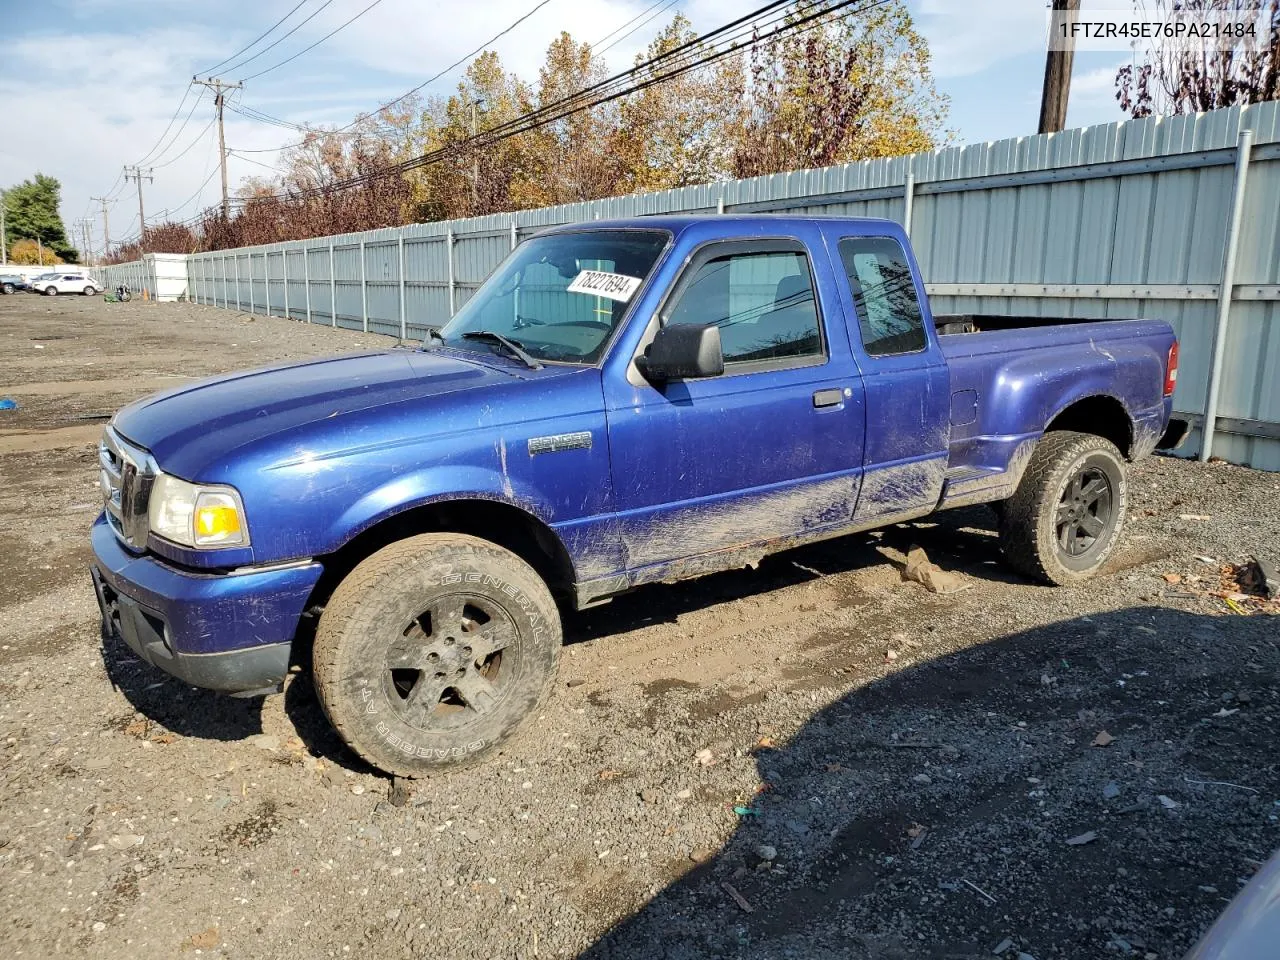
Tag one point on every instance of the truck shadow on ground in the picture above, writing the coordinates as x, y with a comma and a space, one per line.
186, 710
941, 809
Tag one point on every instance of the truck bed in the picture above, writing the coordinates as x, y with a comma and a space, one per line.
1008, 371
949, 324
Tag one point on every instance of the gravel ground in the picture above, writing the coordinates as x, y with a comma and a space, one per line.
813, 759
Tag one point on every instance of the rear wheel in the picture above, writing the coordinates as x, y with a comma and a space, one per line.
1068, 512
433, 651
90, 290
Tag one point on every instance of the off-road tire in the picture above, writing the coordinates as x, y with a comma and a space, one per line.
397, 607
1031, 523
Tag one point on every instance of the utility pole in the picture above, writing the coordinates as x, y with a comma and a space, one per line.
135, 173
219, 97
1057, 69
4, 248
106, 227
86, 245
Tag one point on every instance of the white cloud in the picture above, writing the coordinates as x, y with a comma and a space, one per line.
969, 36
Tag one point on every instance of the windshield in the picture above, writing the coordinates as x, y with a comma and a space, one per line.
559, 297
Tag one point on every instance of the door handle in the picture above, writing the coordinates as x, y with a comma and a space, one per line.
828, 398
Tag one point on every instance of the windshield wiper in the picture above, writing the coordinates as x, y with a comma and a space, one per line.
512, 346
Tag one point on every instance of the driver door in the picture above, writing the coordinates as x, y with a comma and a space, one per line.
768, 450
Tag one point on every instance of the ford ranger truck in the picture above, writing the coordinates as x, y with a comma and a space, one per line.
620, 403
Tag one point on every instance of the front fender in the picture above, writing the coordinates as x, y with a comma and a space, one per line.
435, 484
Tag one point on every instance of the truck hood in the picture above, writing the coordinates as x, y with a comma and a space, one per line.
190, 427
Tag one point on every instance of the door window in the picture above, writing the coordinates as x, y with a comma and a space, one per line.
762, 301
884, 295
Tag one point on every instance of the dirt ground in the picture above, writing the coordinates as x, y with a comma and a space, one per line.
813, 759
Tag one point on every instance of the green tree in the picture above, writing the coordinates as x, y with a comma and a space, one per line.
31, 213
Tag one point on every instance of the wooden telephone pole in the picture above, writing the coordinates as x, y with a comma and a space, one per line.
106, 227
1057, 71
219, 97
135, 173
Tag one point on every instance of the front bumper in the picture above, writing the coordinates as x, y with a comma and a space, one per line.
224, 631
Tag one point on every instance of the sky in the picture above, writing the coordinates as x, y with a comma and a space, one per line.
87, 86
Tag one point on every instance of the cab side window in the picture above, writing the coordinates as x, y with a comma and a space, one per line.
762, 301
884, 295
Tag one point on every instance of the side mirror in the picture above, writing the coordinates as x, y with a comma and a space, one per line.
683, 351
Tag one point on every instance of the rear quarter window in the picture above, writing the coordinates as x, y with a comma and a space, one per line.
884, 295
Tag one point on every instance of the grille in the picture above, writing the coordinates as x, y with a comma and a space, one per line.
127, 473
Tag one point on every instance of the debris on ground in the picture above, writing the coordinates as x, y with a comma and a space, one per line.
1103, 739
738, 898
1081, 839
921, 570
8, 403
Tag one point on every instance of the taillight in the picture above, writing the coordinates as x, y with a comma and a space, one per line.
1171, 371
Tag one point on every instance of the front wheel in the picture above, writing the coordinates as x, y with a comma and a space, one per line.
50, 291
7, 288
89, 291
433, 651
1066, 517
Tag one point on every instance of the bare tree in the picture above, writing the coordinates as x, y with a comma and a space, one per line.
1174, 78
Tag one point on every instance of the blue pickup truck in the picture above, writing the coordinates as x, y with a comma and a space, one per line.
620, 403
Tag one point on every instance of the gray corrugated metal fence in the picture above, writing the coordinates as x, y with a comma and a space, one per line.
1120, 220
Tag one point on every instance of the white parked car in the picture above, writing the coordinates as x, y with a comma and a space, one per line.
53, 284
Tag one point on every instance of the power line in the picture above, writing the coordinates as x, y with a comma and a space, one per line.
340, 131
198, 137
278, 40
239, 156
665, 6
170, 126
745, 31
453, 66
740, 33
156, 155
317, 43
262, 36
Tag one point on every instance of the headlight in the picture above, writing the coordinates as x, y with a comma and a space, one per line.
195, 515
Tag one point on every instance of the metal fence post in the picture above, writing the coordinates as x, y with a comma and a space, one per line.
448, 252
364, 293
333, 290
226, 282
251, 307
515, 233
266, 278
306, 277
400, 274
1227, 288
284, 271
908, 201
